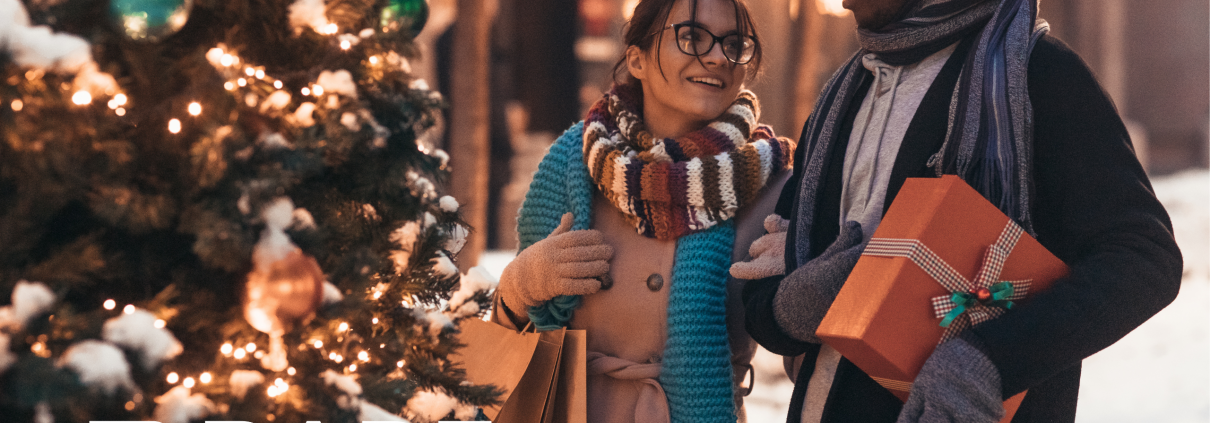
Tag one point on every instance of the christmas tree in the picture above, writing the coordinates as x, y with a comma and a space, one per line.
219, 210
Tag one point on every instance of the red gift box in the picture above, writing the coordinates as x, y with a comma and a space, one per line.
942, 255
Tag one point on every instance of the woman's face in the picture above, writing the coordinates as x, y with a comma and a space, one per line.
690, 92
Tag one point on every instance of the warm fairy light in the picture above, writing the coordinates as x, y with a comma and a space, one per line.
37, 348
129, 309
250, 347
272, 392
205, 377
229, 85
227, 60
17, 105
373, 60
110, 304
226, 349
241, 82
318, 343
249, 71
330, 29
291, 371
260, 74
130, 405
173, 377
81, 97
352, 368
277, 84
174, 126
195, 108
259, 354
345, 45
319, 90
240, 353
374, 320
188, 382
399, 364
363, 356
306, 91
343, 327
120, 111
160, 323
119, 99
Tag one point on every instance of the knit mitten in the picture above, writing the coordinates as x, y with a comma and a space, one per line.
564, 263
768, 253
957, 384
806, 293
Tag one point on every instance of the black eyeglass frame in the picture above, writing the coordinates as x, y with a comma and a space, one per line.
714, 39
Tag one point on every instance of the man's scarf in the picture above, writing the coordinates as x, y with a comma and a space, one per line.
989, 142
668, 188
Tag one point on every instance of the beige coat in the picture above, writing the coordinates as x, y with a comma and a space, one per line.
627, 324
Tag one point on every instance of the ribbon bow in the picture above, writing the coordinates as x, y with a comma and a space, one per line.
969, 302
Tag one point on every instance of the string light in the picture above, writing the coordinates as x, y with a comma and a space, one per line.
120, 99
226, 349
227, 60
259, 354
260, 74
250, 347
110, 304
343, 327
120, 111
81, 97
249, 71
205, 377
273, 392
130, 405
373, 60
345, 44
174, 126
241, 82
129, 309
229, 86
352, 368
290, 371
195, 108
306, 91
363, 356
277, 84
318, 344
173, 377
319, 90
330, 29
374, 320
160, 323
399, 364
188, 382
239, 354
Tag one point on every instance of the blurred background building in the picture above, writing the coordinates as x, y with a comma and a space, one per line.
533, 66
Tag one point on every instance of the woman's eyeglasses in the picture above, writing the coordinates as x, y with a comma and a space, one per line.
696, 41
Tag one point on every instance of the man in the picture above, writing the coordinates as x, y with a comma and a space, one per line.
974, 88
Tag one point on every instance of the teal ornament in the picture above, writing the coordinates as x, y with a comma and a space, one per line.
149, 19
405, 15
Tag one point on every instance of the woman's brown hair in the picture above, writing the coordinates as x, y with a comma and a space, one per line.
651, 14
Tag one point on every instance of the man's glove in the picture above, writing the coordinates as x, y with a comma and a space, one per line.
564, 263
957, 384
768, 253
806, 293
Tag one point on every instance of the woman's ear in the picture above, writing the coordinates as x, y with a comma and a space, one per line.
636, 62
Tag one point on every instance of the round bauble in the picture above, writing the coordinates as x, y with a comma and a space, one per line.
149, 20
405, 15
284, 294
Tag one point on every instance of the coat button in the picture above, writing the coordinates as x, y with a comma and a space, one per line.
655, 282
606, 281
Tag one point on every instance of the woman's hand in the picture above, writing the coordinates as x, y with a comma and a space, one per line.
768, 252
565, 263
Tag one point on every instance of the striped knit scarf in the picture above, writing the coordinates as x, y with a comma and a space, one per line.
668, 188
989, 142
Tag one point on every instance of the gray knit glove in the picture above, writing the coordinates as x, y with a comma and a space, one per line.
806, 293
958, 383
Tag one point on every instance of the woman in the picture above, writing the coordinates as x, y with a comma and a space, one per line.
670, 171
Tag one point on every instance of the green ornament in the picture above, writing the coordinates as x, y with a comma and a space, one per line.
405, 15
149, 19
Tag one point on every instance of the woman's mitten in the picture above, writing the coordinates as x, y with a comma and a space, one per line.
768, 253
565, 263
958, 383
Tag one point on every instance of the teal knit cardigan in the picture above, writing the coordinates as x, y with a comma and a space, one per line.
696, 371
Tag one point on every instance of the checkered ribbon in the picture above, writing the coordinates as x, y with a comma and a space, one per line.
966, 305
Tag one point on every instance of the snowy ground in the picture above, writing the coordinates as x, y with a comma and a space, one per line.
1158, 373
